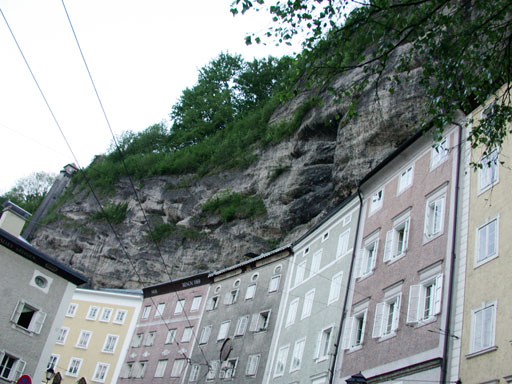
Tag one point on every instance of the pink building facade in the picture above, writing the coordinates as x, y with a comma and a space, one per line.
166, 332
396, 327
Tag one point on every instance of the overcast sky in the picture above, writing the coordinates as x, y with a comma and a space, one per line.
141, 54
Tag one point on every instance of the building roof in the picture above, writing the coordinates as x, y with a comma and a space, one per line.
27, 251
8, 205
254, 259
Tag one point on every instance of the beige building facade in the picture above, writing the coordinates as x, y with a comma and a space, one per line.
483, 354
95, 334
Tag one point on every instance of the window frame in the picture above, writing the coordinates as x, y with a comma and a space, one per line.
171, 336
394, 237
196, 303
149, 339
385, 324
228, 366
205, 334
146, 312
37, 319
292, 314
439, 152
187, 334
375, 201
250, 292
297, 354
484, 165
343, 248
83, 332
119, 312
107, 339
250, 364
474, 349
71, 360
223, 330
323, 345
489, 256
231, 297
194, 373
161, 367
212, 303
71, 311
367, 256
100, 365
16, 369
316, 262
177, 364
241, 327
281, 360
405, 179
105, 310
300, 273
159, 312
307, 307
335, 290
426, 295
94, 316
137, 340
272, 286
180, 307
65, 331
212, 370
351, 332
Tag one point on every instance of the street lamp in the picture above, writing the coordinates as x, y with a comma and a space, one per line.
49, 374
358, 378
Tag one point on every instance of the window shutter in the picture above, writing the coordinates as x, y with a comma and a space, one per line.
342, 244
429, 227
438, 218
347, 335
377, 324
358, 263
227, 298
438, 294
37, 323
209, 304
17, 311
254, 322
406, 234
396, 314
375, 250
20, 367
388, 249
478, 330
414, 302
491, 235
317, 346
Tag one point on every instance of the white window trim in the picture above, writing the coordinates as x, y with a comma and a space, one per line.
146, 311
251, 291
54, 365
159, 371
428, 234
290, 320
318, 357
36, 322
300, 272
115, 321
391, 253
316, 262
62, 342
248, 371
106, 341
307, 313
212, 370
335, 291
340, 252
226, 367
69, 366
96, 372
225, 335
382, 316
350, 331
409, 176
103, 311
205, 334
89, 317
282, 356
436, 158
484, 163
194, 373
72, 313
496, 245
82, 332
195, 307
363, 255
272, 289
241, 328
17, 368
299, 352
417, 298
231, 297
325, 236
372, 205
492, 346
178, 363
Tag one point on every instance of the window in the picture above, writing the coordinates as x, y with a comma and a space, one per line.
127, 371
194, 373
335, 290
28, 318
489, 172
241, 325
292, 312
110, 343
146, 312
171, 334
52, 363
140, 369
160, 368
405, 179
92, 314
397, 240
74, 367
236, 283
274, 283
439, 153
205, 334
180, 306
325, 236
487, 241
299, 275
71, 310
254, 277
160, 310
323, 343
353, 336
347, 219
106, 314
11, 368
278, 269
282, 356
434, 217
387, 315
228, 369
260, 321
223, 330
101, 372
298, 351
252, 365
212, 303
212, 370
83, 339
177, 367
150, 338
308, 304
196, 302
62, 335
366, 258
249, 293
483, 327
343, 244
306, 251
316, 262
120, 316
187, 334
425, 300
376, 201
230, 297
137, 340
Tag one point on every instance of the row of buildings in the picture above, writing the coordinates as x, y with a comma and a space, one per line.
399, 284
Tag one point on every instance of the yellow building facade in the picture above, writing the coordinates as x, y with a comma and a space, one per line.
486, 334
94, 336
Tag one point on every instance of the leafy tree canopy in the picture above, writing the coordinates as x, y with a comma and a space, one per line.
464, 47
29, 192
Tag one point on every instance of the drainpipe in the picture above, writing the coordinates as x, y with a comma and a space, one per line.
343, 313
447, 329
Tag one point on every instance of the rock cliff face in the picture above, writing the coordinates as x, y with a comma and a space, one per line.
300, 180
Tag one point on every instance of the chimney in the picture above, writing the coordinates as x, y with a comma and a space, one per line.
13, 218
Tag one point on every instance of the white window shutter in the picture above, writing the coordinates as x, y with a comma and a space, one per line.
317, 346
377, 324
347, 335
414, 302
38, 321
491, 235
227, 298
254, 322
375, 253
439, 216
20, 367
358, 263
478, 330
209, 304
406, 234
438, 294
17, 311
388, 248
396, 314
